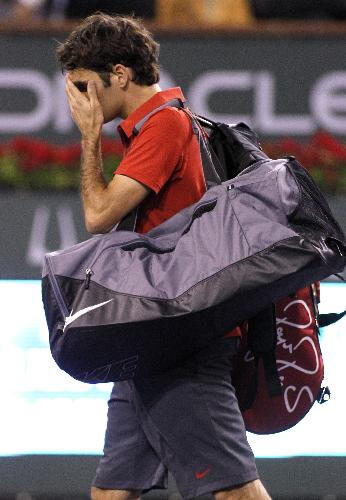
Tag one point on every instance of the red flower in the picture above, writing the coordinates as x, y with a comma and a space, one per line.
328, 144
323, 155
67, 155
32, 153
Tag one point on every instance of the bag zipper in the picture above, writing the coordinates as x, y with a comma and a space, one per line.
88, 274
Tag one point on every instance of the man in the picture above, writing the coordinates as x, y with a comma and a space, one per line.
186, 421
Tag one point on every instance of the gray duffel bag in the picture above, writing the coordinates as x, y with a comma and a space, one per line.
125, 305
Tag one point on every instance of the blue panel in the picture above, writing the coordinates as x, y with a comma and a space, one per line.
44, 411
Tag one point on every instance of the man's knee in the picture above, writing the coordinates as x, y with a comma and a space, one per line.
254, 490
101, 494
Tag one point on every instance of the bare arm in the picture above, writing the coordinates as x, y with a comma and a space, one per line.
104, 203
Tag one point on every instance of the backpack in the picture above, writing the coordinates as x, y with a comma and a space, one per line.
125, 305
297, 365
278, 370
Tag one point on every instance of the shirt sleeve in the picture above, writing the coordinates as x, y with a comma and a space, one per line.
158, 149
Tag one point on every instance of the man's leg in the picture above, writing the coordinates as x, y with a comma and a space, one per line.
129, 464
192, 420
254, 490
100, 494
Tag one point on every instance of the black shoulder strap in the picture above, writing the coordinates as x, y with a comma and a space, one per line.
262, 338
331, 318
211, 175
128, 223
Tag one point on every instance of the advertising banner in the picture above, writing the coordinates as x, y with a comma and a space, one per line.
281, 86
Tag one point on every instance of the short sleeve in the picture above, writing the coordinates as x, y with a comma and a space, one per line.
158, 149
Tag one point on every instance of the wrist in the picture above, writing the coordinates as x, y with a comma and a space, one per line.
91, 143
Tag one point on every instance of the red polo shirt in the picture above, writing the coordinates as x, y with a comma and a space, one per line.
165, 157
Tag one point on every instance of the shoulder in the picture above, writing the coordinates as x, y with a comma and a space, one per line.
169, 121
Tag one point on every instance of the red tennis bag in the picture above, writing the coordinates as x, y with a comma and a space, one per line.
277, 384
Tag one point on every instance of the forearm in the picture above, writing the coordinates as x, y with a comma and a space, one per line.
93, 183
104, 203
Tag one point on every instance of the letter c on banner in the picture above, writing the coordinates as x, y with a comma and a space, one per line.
214, 81
39, 84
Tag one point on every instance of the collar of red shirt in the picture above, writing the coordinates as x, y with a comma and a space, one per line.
158, 99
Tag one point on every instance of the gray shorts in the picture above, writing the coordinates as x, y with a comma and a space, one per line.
187, 421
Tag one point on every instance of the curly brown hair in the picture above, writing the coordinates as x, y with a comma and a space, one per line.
102, 41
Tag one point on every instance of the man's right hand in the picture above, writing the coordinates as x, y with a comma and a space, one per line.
86, 111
